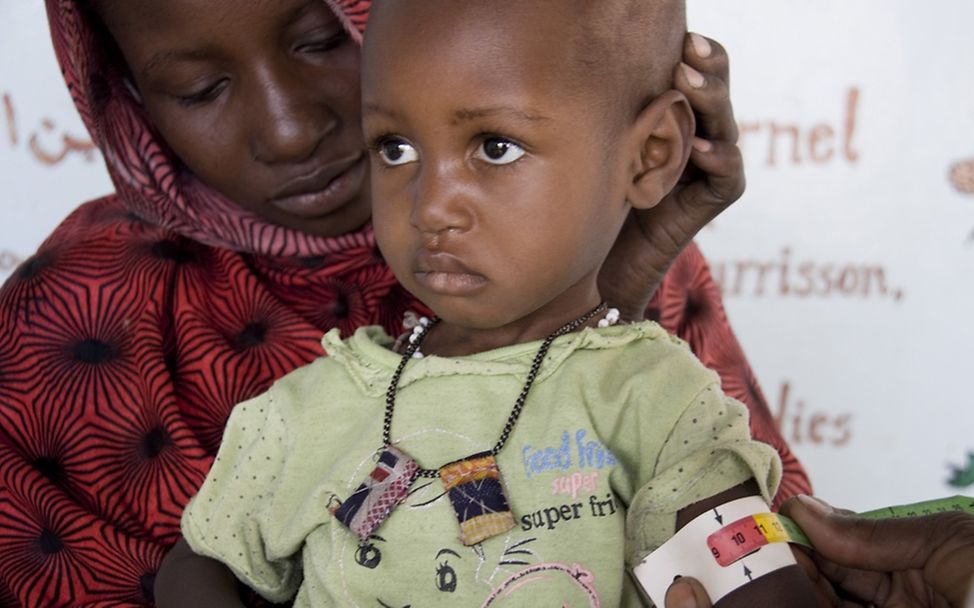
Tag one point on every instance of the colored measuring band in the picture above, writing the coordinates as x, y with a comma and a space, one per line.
748, 534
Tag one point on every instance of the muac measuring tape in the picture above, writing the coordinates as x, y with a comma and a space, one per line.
752, 544
750, 533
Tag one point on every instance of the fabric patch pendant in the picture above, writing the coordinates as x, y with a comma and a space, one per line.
385, 487
473, 484
476, 492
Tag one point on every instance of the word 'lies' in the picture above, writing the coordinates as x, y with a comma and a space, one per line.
800, 426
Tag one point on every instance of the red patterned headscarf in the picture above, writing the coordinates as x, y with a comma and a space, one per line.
143, 319
147, 176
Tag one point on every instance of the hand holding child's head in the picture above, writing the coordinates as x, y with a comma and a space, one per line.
510, 141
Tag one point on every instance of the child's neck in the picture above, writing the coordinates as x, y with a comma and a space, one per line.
454, 340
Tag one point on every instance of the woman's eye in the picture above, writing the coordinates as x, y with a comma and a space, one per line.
323, 45
202, 96
499, 151
396, 152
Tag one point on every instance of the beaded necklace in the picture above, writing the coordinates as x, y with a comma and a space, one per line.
473, 484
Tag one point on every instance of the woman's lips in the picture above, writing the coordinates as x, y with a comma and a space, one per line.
325, 191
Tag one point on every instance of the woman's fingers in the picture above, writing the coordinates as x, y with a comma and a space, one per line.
707, 55
705, 82
933, 551
723, 165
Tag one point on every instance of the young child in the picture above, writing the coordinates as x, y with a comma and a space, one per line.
520, 449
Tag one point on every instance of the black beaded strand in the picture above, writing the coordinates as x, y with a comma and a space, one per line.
413, 346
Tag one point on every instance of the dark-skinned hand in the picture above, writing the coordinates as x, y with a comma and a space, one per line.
651, 239
919, 562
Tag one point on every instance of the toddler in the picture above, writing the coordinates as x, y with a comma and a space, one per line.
520, 448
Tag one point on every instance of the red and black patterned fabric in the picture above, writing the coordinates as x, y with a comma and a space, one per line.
148, 314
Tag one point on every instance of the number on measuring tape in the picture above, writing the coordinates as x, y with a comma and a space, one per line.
748, 534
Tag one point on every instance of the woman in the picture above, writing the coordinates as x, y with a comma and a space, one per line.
237, 235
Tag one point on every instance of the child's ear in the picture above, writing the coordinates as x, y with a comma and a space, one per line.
661, 143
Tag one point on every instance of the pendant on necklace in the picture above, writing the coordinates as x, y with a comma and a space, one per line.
385, 487
476, 493
473, 484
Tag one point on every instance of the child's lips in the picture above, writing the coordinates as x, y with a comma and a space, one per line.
444, 274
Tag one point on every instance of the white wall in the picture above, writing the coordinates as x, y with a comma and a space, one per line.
846, 267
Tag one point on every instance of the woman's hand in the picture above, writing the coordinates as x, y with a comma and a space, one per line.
922, 562
651, 239
919, 561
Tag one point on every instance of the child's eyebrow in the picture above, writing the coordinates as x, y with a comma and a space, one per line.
464, 114
467, 114
377, 108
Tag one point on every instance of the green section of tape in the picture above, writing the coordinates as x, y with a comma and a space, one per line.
964, 504
796, 534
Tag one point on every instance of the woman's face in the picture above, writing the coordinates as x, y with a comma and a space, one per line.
258, 98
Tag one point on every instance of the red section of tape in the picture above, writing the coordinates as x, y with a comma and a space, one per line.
734, 541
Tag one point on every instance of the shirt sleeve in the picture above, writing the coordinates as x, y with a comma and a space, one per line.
228, 519
709, 450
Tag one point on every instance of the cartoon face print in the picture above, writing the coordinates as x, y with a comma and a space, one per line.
569, 586
440, 569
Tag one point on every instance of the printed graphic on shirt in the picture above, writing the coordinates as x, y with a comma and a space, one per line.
584, 461
580, 450
548, 581
419, 541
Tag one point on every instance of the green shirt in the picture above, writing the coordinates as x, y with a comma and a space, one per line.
623, 427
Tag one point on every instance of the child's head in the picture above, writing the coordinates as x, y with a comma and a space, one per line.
511, 139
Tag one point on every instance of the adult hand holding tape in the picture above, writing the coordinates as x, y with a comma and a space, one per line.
919, 555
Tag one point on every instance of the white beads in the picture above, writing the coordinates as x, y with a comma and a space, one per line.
409, 320
611, 318
419, 328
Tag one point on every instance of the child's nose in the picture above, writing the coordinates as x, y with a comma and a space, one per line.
442, 202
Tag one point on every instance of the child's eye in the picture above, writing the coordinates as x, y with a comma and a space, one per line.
499, 151
395, 152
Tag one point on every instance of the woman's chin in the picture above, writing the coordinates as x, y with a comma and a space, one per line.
348, 218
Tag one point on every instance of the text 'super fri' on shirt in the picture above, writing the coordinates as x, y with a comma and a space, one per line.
622, 428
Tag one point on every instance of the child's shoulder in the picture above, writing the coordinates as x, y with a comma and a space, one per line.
352, 367
646, 353
645, 339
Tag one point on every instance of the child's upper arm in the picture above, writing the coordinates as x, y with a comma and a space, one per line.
709, 450
226, 520
709, 459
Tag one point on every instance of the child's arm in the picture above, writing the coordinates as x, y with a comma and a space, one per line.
788, 586
186, 580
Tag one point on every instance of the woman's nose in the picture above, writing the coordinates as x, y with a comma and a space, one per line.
289, 121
